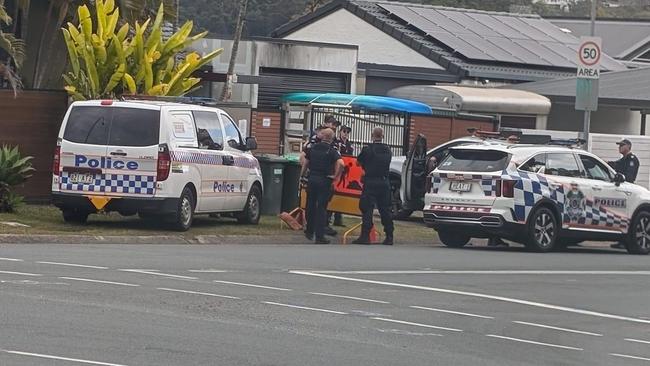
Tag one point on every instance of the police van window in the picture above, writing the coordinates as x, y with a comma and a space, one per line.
594, 169
208, 130
564, 165
230, 129
536, 164
474, 160
134, 127
88, 125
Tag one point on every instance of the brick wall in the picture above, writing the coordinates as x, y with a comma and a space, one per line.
268, 138
435, 129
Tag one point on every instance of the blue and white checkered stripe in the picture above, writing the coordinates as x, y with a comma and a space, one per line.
529, 189
113, 183
600, 216
207, 158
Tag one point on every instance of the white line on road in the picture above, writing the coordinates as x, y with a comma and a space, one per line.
628, 356
452, 312
208, 270
99, 281
534, 342
479, 295
253, 285
21, 273
73, 265
557, 328
350, 297
417, 324
61, 358
11, 259
637, 340
305, 308
495, 272
198, 293
158, 274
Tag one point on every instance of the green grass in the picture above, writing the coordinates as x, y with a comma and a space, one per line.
48, 220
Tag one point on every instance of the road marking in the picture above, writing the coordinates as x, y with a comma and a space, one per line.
350, 297
158, 274
61, 358
557, 328
208, 270
495, 272
479, 295
305, 308
198, 293
417, 324
21, 273
628, 356
637, 340
252, 285
452, 312
98, 281
534, 342
11, 259
73, 265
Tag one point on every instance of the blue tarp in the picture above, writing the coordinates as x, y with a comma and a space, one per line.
366, 102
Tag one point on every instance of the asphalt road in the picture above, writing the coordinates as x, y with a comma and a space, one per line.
320, 305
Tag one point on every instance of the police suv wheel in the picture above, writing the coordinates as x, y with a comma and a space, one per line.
542, 230
638, 237
185, 211
253, 209
453, 239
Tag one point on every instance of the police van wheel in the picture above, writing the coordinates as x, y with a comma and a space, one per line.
75, 216
453, 239
542, 230
185, 211
253, 209
638, 237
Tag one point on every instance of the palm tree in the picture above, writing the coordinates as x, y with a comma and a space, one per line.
14, 48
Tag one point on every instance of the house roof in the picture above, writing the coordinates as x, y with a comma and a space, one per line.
467, 42
622, 39
627, 88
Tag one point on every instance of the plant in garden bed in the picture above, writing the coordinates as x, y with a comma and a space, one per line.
14, 170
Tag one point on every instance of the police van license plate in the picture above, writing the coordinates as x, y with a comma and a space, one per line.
85, 178
460, 187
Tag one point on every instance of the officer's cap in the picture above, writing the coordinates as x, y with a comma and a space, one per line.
624, 142
346, 128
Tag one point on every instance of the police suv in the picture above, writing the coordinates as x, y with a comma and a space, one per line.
543, 196
156, 159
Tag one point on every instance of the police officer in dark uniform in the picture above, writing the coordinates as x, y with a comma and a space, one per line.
375, 161
628, 165
325, 166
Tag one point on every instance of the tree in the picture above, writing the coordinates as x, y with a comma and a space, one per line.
106, 62
226, 93
15, 50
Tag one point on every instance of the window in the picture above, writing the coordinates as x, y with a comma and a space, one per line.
595, 169
88, 125
208, 130
231, 130
134, 127
475, 161
564, 165
535, 164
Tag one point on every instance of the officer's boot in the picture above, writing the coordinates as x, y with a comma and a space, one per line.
364, 238
388, 240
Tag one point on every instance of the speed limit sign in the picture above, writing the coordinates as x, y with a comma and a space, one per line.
589, 55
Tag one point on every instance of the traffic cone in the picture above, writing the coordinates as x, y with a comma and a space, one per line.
373, 235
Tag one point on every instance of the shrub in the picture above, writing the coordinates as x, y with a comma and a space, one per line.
14, 170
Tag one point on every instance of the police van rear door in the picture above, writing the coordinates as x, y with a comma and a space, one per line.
110, 148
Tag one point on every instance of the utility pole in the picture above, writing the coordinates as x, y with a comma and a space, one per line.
226, 93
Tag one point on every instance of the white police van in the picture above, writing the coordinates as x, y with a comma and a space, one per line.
156, 159
542, 196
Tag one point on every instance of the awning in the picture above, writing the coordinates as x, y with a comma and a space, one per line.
477, 100
365, 102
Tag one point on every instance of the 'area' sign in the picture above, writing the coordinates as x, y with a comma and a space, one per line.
589, 55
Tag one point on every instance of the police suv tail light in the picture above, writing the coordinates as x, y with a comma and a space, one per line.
56, 162
508, 188
164, 163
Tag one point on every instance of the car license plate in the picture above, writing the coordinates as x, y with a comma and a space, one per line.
460, 187
85, 178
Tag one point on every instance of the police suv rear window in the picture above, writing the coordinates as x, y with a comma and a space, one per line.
474, 161
113, 126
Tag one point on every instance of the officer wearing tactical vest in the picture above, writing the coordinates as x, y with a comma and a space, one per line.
325, 167
628, 165
375, 161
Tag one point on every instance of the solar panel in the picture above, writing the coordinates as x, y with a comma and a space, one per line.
491, 48
526, 31
461, 46
526, 56
545, 53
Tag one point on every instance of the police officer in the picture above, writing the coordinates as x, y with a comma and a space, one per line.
375, 161
344, 145
628, 165
325, 167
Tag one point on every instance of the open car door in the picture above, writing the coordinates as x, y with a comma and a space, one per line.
414, 173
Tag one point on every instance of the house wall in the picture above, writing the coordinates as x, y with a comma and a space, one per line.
268, 136
607, 119
439, 130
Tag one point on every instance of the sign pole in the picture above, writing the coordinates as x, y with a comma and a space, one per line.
587, 116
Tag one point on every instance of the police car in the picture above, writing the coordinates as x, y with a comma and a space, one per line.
155, 159
543, 196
